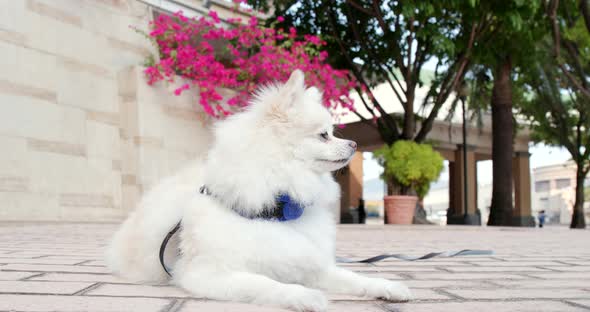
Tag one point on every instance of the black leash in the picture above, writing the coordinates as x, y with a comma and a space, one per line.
444, 254
163, 246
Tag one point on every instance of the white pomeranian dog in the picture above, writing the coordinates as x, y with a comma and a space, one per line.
234, 242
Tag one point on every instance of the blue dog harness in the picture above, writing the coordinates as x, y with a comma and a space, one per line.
285, 209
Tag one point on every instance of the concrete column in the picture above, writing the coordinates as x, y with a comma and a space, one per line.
351, 184
457, 184
522, 215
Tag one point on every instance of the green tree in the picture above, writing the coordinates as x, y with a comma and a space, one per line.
513, 30
388, 42
558, 106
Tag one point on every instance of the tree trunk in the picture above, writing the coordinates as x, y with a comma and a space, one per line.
502, 145
578, 221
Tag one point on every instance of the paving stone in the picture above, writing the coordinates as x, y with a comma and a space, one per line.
561, 275
13, 276
520, 263
530, 271
191, 306
356, 307
486, 306
467, 276
54, 268
553, 283
569, 268
584, 302
521, 293
39, 261
496, 269
79, 303
448, 284
75, 277
119, 290
33, 287
387, 275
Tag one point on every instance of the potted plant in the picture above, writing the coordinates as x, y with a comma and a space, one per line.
409, 168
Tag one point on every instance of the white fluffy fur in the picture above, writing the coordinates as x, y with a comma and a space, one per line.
275, 146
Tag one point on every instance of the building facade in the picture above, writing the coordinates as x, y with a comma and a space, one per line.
82, 134
555, 192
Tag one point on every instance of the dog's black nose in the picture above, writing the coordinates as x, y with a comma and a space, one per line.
352, 144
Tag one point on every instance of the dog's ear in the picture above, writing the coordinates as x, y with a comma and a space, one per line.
289, 94
293, 89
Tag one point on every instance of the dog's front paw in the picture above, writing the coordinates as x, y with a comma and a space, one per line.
304, 299
389, 290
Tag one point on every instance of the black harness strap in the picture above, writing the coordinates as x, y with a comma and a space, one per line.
163, 246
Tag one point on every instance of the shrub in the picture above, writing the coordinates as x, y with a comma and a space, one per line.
240, 57
409, 167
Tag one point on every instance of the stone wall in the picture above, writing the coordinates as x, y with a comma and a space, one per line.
81, 133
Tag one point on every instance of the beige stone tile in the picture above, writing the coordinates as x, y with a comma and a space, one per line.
33, 287
564, 268
399, 269
118, 44
138, 290
521, 293
85, 200
13, 276
13, 159
448, 284
101, 214
553, 283
56, 147
77, 277
87, 91
218, 306
129, 179
387, 275
466, 276
485, 306
54, 268
39, 120
520, 263
79, 303
562, 275
583, 302
112, 119
53, 12
13, 184
501, 269
102, 140
148, 141
29, 206
73, 65
116, 165
39, 261
12, 37
12, 88
419, 294
356, 306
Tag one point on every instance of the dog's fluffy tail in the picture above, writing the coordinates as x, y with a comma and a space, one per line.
133, 252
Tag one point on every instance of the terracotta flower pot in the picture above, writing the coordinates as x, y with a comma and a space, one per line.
399, 209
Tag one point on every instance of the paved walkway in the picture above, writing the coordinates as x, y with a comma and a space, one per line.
58, 267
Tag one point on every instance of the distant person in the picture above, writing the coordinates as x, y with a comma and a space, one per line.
542, 217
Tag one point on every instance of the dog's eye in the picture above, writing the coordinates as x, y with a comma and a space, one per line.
324, 135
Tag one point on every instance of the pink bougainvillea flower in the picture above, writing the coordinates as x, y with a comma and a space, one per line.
211, 57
